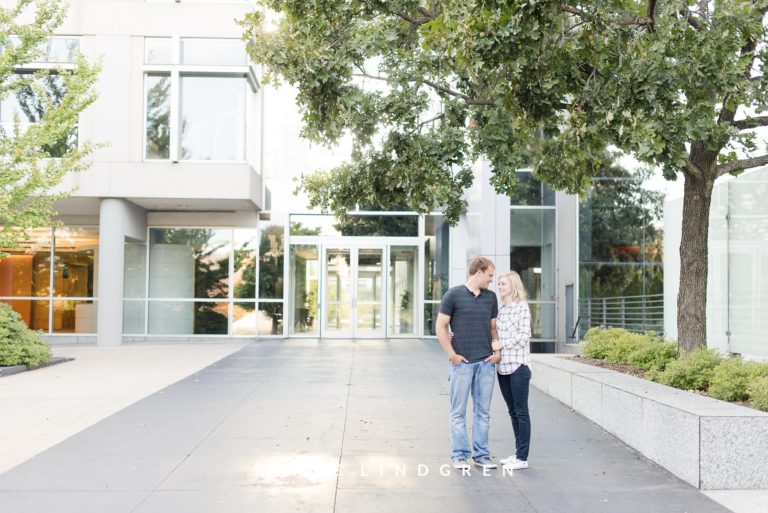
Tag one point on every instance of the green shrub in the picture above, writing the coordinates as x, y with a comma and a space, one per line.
654, 354
732, 377
691, 372
758, 393
597, 341
18, 344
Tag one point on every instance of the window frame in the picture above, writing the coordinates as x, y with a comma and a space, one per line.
176, 70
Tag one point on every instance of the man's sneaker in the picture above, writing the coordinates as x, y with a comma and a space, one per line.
508, 459
460, 464
515, 465
485, 462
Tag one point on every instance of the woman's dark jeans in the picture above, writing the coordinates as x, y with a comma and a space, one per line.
514, 389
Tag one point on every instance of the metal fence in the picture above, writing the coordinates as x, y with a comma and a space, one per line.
633, 313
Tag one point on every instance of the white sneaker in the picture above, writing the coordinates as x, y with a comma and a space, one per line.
460, 464
515, 465
508, 459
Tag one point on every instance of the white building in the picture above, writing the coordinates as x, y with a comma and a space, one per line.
186, 224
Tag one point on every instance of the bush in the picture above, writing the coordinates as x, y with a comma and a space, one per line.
691, 372
598, 341
18, 344
654, 354
732, 377
758, 393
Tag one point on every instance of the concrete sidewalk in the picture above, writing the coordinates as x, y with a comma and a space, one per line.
328, 426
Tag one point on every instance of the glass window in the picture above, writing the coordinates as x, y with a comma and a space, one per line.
270, 318
430, 318
305, 273
158, 129
309, 225
531, 191
271, 261
212, 117
532, 251
73, 267
189, 263
135, 271
244, 275
26, 271
244, 318
402, 290
60, 50
213, 52
133, 317
74, 316
29, 102
436, 254
188, 318
158, 50
379, 226
34, 313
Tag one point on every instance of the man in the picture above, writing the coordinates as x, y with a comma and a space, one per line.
470, 310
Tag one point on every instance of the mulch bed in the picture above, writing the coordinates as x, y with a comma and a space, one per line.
626, 369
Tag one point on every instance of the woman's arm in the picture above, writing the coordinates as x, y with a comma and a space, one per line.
521, 332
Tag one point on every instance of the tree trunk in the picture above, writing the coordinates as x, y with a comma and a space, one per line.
692, 297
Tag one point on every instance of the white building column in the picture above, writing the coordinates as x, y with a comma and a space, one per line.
112, 221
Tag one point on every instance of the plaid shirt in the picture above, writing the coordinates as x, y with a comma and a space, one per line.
514, 327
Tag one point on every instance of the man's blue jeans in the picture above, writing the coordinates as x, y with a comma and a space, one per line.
476, 379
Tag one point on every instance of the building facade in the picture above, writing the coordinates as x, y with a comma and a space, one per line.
186, 224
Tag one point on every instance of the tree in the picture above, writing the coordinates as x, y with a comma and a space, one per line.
542, 83
40, 149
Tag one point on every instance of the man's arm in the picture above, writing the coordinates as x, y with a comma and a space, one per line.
441, 327
496, 356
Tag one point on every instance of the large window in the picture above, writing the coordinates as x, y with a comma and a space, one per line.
50, 279
436, 268
532, 254
206, 281
620, 254
196, 91
38, 85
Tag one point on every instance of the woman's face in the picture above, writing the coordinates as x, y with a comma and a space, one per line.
505, 286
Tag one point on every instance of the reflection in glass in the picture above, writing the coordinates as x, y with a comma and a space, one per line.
532, 251
542, 320
133, 317
402, 290
74, 316
158, 131
305, 273
430, 318
213, 118
25, 272
188, 318
30, 104
369, 317
187, 263
531, 192
34, 313
73, 268
338, 279
369, 289
244, 275
244, 318
271, 258
378, 226
436, 253
270, 318
213, 52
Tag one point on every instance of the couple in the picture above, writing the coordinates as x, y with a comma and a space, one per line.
487, 341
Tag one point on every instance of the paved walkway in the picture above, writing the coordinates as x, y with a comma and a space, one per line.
331, 426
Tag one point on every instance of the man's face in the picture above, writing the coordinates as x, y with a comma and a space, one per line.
486, 277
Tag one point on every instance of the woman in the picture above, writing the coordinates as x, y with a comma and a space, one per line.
514, 327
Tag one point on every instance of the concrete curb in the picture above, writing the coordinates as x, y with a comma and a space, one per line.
711, 444
15, 369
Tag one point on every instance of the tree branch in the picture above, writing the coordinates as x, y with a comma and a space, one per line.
692, 169
688, 15
467, 99
746, 124
740, 165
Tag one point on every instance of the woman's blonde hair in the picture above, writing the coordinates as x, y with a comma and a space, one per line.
518, 289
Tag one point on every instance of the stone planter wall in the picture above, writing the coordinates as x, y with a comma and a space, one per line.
711, 444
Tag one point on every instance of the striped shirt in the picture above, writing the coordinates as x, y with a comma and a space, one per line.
514, 327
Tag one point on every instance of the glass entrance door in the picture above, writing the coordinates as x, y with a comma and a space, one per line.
353, 292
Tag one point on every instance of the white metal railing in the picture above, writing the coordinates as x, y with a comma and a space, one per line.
633, 313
